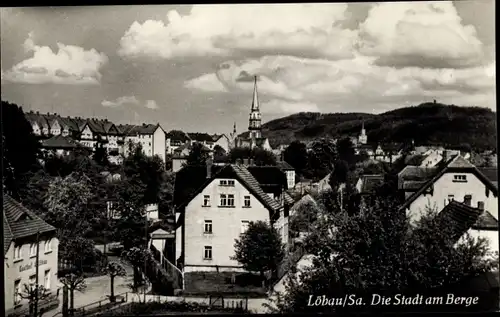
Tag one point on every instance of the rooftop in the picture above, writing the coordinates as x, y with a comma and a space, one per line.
20, 222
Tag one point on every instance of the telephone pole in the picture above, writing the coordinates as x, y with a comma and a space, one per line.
37, 259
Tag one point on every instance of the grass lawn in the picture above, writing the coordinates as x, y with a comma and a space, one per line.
219, 283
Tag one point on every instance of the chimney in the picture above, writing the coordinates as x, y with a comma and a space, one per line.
209, 168
250, 162
38, 112
238, 161
468, 200
480, 205
434, 100
245, 161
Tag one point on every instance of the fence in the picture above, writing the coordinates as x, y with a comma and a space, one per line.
170, 268
213, 301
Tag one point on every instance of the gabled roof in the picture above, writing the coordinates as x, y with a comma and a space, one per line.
177, 135
417, 173
201, 137
268, 175
191, 180
147, 128
217, 137
370, 182
39, 119
60, 142
456, 165
463, 217
491, 173
95, 126
283, 165
20, 222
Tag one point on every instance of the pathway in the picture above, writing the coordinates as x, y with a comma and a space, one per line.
98, 288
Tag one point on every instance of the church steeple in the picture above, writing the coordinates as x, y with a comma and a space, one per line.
363, 138
254, 124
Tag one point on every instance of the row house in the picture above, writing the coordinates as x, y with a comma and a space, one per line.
59, 145
214, 205
28, 238
457, 180
151, 137
180, 154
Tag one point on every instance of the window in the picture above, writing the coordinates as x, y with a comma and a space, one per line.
244, 225
247, 201
17, 291
206, 201
226, 182
223, 200
487, 193
460, 178
46, 279
48, 246
18, 252
230, 200
32, 249
32, 281
208, 253
208, 226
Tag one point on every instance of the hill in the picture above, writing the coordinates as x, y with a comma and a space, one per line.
427, 123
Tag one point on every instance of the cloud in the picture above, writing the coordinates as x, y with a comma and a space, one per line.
120, 101
288, 107
151, 104
207, 82
348, 83
222, 30
421, 34
70, 65
129, 100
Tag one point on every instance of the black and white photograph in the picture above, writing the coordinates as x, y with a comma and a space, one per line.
267, 158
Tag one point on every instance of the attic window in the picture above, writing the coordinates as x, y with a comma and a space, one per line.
226, 182
460, 178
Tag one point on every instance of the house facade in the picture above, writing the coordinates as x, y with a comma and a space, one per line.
459, 180
175, 139
23, 230
214, 206
151, 137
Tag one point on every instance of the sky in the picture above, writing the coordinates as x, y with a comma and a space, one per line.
192, 67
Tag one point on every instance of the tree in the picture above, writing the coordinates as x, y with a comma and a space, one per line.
220, 154
345, 149
166, 195
305, 215
322, 156
34, 294
101, 156
198, 155
20, 147
68, 206
78, 251
74, 282
259, 249
137, 257
378, 250
260, 157
296, 155
114, 269
33, 195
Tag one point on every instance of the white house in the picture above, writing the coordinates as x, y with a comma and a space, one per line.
214, 205
458, 180
151, 137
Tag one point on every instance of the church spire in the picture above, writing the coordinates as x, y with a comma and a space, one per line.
234, 128
254, 124
255, 102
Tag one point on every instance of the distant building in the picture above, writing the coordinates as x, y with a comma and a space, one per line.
20, 230
363, 138
151, 137
175, 139
255, 138
60, 145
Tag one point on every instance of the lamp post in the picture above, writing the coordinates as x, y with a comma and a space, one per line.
37, 258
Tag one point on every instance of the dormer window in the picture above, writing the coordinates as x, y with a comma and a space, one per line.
226, 182
460, 178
